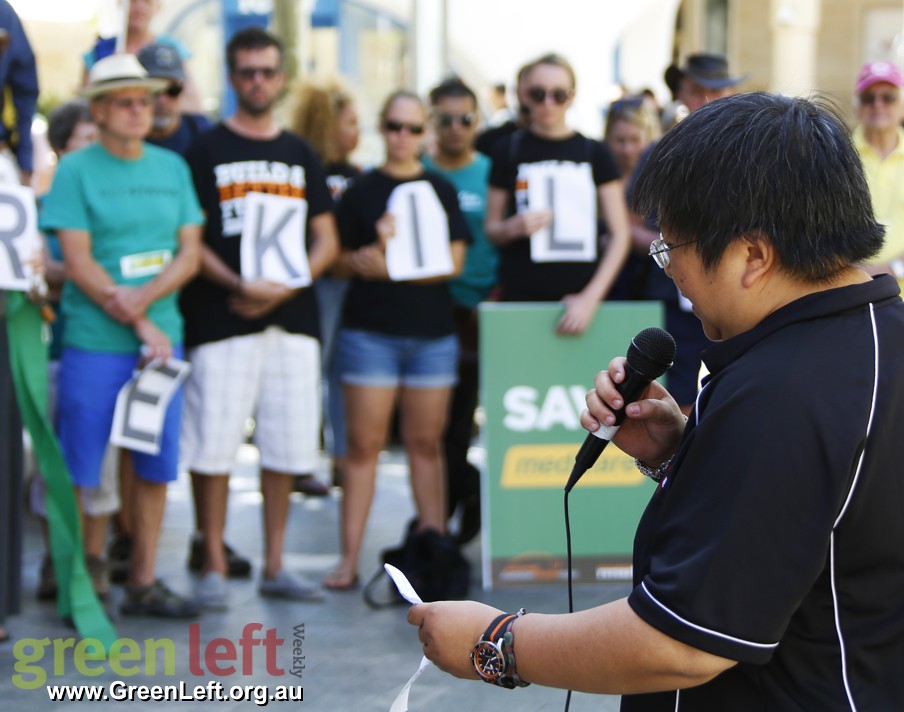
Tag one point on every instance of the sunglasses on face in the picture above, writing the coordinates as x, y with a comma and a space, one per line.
248, 73
887, 97
447, 120
399, 126
174, 90
538, 95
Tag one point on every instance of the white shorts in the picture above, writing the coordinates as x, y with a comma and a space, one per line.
272, 376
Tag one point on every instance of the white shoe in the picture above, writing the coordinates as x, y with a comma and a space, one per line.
211, 592
286, 585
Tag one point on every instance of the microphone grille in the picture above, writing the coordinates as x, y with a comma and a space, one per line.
651, 352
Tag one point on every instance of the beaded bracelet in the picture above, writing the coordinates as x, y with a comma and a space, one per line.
508, 650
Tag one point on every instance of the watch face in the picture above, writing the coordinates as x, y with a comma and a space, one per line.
488, 660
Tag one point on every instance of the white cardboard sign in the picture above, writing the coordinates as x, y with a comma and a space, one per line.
420, 246
273, 240
142, 402
19, 240
568, 190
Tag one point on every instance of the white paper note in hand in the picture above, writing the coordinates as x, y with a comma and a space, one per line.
403, 584
400, 704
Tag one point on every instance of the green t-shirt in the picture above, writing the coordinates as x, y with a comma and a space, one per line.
133, 210
478, 276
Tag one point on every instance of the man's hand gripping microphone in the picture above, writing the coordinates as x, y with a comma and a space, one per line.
649, 356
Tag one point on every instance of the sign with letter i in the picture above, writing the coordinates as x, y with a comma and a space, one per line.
420, 246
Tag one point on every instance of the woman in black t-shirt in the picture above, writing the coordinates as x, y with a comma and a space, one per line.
549, 186
326, 116
397, 342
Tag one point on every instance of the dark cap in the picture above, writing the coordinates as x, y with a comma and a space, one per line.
707, 70
163, 61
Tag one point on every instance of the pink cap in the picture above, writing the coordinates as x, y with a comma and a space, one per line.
875, 72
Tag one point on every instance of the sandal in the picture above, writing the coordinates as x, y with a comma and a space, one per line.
340, 580
157, 600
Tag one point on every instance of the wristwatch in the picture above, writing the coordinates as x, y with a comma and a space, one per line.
494, 655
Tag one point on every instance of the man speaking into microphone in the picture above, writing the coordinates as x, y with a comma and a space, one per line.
768, 565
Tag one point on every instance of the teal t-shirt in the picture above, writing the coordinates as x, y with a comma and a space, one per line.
133, 210
478, 276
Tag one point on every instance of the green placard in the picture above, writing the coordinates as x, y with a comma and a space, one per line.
533, 384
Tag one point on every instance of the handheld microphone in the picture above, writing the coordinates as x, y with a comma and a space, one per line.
649, 356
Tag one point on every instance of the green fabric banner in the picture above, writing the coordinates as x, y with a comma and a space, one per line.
28, 361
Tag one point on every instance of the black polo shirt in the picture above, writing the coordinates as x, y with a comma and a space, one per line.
777, 538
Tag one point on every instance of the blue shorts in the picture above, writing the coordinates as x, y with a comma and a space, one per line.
88, 384
367, 358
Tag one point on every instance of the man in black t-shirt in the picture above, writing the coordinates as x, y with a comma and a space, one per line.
253, 343
768, 563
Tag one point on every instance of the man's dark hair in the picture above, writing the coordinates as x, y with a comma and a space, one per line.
63, 120
765, 164
251, 38
453, 87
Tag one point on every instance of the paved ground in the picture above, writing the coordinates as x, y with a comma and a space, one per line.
354, 658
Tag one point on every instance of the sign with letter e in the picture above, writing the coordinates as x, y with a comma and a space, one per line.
141, 405
19, 241
420, 246
273, 240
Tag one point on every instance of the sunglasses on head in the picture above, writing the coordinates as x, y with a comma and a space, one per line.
631, 103
446, 120
538, 95
886, 97
399, 126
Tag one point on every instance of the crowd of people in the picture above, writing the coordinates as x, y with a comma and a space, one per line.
144, 225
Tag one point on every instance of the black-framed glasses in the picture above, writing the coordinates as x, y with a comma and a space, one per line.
659, 250
249, 73
538, 95
399, 126
447, 120
886, 97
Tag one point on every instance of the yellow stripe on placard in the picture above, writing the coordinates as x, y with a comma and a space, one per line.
550, 466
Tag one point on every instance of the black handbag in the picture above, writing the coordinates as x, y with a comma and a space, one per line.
433, 564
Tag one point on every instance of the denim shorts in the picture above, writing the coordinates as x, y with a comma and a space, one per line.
88, 384
368, 358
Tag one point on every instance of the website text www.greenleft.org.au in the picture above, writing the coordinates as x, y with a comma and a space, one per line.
213, 691
37, 661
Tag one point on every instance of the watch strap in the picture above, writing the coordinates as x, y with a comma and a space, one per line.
499, 634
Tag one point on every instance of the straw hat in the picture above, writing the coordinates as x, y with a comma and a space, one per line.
119, 71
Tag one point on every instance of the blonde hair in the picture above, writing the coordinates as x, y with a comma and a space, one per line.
635, 111
317, 107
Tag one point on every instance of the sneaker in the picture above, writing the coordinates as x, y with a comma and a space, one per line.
47, 583
157, 600
100, 578
296, 588
237, 566
211, 591
311, 486
118, 555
